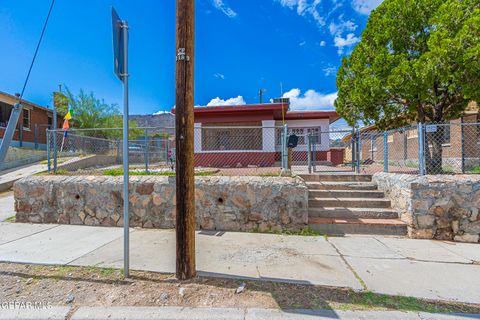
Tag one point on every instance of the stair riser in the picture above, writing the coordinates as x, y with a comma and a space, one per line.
373, 203
338, 178
342, 194
341, 229
345, 214
346, 186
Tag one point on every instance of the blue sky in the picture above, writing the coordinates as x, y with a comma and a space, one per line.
241, 46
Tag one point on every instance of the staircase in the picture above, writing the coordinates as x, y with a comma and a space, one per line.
350, 203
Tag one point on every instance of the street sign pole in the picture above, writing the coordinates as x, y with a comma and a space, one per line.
120, 50
126, 220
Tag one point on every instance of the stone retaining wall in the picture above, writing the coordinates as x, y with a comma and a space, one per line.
439, 206
222, 203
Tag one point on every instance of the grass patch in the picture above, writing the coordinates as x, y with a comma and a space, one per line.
119, 172
475, 170
10, 219
276, 174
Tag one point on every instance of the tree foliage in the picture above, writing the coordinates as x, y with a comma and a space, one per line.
418, 61
89, 112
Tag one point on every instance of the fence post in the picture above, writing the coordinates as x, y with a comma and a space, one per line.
146, 150
284, 148
421, 149
354, 149
463, 143
48, 149
309, 153
54, 132
357, 150
385, 151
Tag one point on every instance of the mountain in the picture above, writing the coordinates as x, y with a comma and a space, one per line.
162, 120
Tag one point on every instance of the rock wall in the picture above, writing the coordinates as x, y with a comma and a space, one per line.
222, 203
435, 207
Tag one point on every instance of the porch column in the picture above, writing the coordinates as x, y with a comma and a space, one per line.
197, 133
268, 135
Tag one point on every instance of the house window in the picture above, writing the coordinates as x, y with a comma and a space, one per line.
390, 138
412, 134
315, 133
26, 118
216, 139
50, 122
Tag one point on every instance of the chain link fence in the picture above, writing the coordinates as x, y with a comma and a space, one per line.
258, 150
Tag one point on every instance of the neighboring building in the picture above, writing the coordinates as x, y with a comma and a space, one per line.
403, 144
250, 135
32, 125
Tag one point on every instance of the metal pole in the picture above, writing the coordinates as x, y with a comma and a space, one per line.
146, 150
126, 220
54, 132
385, 151
48, 150
309, 153
421, 150
20, 133
285, 142
354, 149
10, 131
463, 143
357, 150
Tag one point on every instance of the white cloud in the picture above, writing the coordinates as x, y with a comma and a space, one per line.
348, 41
365, 6
237, 101
329, 71
342, 26
305, 9
322, 43
219, 76
301, 44
220, 5
310, 100
163, 112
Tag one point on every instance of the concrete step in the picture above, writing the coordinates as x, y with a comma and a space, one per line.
335, 226
353, 213
317, 202
327, 185
346, 194
338, 177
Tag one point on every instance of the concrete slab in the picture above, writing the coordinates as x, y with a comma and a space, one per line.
361, 246
425, 250
7, 205
53, 313
447, 316
14, 231
58, 245
469, 251
268, 314
151, 250
146, 313
431, 280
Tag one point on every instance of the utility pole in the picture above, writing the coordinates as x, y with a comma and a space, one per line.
185, 183
260, 93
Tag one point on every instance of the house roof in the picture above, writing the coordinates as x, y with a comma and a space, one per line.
11, 99
257, 112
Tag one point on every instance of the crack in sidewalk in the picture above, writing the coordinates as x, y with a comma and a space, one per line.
356, 275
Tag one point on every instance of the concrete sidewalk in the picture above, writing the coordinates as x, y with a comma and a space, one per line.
178, 313
397, 266
7, 209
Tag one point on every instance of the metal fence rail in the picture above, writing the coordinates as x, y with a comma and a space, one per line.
451, 148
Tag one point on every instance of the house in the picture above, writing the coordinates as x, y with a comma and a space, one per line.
250, 135
32, 125
460, 140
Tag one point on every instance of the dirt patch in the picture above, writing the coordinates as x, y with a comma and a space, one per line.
79, 286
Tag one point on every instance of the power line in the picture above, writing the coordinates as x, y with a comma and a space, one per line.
36, 50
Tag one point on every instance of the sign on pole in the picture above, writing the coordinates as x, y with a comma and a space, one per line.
120, 51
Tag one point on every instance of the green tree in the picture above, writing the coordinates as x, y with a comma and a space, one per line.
417, 62
89, 112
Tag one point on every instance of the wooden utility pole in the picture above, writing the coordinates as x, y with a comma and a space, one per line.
185, 220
